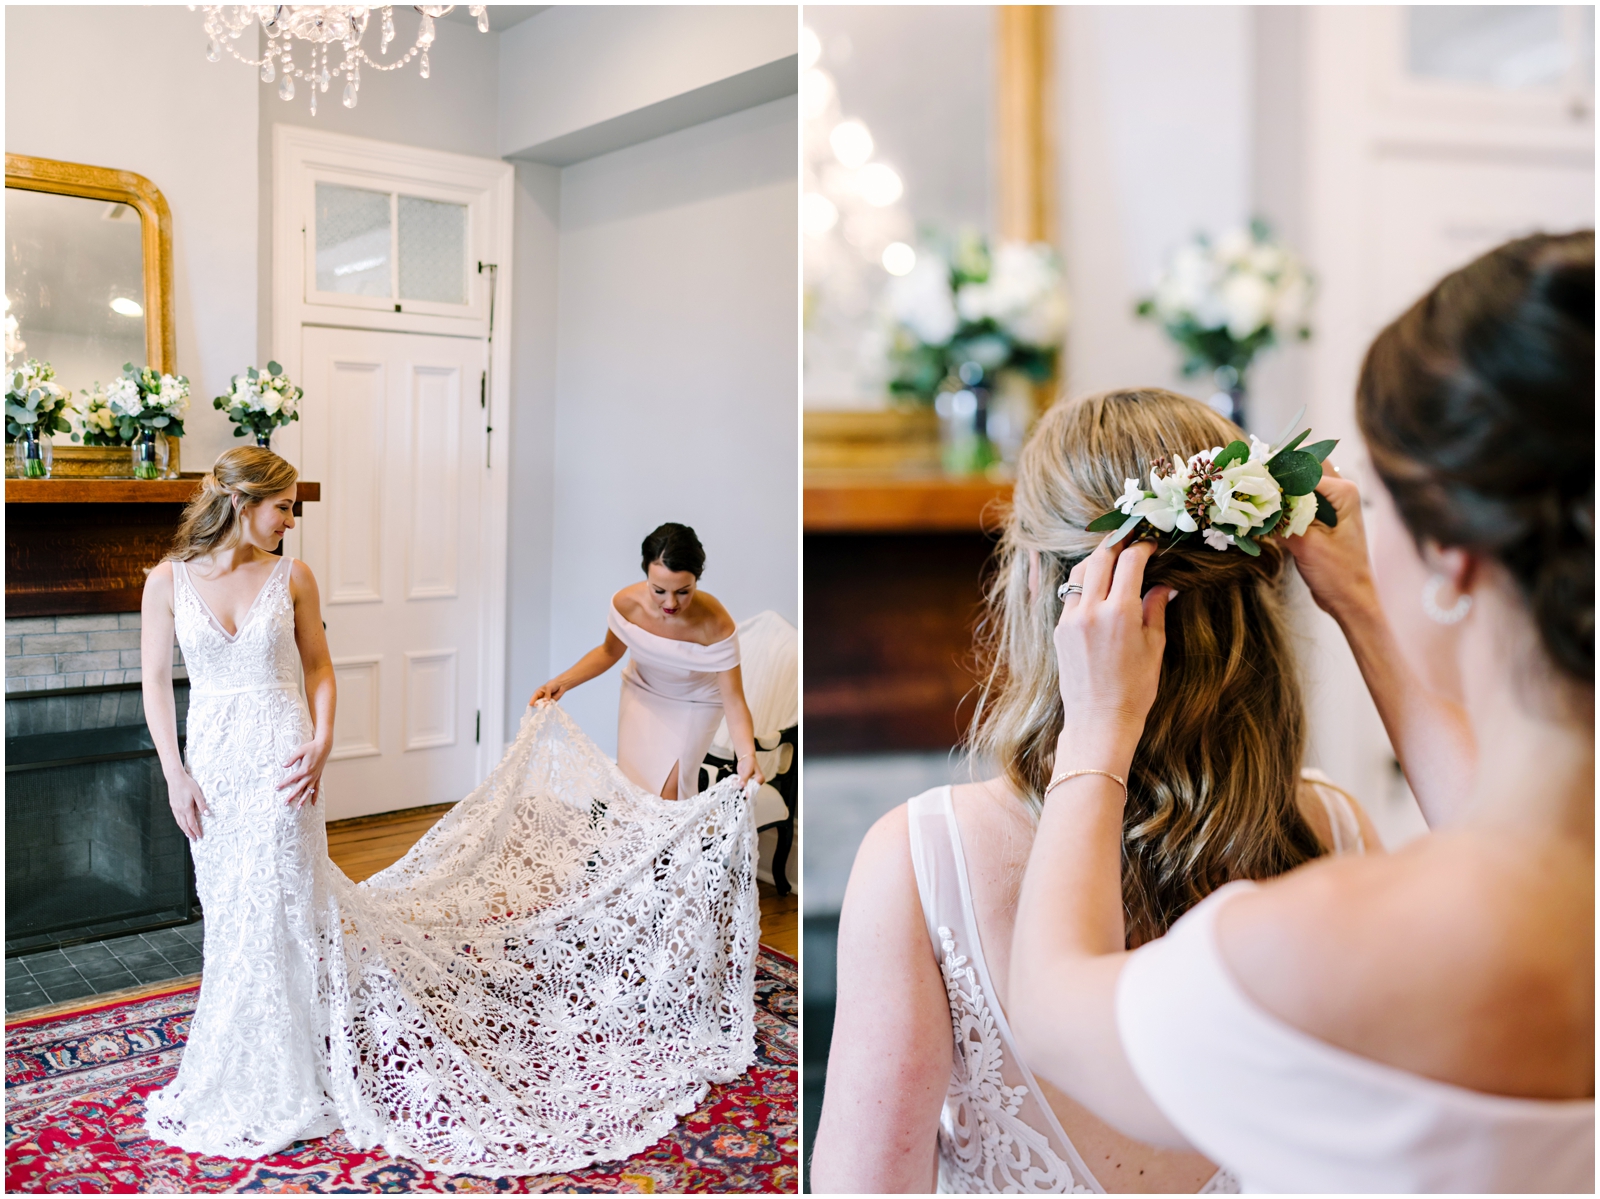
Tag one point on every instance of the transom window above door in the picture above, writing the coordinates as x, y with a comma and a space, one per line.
373, 248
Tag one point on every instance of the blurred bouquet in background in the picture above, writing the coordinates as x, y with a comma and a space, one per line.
1225, 301
35, 410
974, 331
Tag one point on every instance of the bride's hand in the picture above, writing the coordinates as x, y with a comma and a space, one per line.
553, 690
304, 784
1109, 644
1334, 562
187, 802
749, 772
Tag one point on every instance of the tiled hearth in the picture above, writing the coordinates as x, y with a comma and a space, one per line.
79, 971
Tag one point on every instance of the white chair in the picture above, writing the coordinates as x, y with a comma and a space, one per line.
769, 661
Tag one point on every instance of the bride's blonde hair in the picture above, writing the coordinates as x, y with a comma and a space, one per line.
211, 522
1212, 793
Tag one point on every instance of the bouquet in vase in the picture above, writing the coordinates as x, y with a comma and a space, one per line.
1225, 301
260, 401
964, 320
148, 410
97, 424
35, 410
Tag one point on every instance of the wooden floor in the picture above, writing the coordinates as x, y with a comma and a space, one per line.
366, 845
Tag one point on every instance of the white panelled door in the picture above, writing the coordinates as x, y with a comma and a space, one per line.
393, 429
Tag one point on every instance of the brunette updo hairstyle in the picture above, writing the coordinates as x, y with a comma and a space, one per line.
211, 522
676, 547
1477, 406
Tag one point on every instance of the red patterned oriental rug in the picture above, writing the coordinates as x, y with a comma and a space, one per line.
76, 1087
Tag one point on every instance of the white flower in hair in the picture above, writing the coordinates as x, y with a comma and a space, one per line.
1302, 511
1217, 539
1168, 508
1132, 494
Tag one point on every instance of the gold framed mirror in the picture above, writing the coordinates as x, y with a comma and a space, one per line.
61, 255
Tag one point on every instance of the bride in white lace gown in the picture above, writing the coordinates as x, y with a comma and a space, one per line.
552, 976
925, 1083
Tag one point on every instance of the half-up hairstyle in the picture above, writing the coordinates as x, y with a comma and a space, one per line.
1213, 792
1477, 405
210, 522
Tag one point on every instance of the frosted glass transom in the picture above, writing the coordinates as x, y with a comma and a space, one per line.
433, 251
353, 241
1502, 46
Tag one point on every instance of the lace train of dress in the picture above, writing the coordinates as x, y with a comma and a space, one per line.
553, 975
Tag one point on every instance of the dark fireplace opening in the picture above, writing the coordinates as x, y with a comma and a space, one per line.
92, 850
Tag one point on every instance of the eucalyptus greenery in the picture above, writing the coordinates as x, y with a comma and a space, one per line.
142, 400
34, 402
260, 401
1232, 496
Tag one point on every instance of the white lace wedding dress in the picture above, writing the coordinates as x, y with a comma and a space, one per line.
554, 974
997, 1134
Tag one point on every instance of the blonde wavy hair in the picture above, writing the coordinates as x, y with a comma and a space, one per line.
1212, 795
211, 522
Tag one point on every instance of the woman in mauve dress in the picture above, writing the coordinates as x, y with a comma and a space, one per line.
682, 676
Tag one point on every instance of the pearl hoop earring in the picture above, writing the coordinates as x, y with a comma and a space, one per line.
1454, 614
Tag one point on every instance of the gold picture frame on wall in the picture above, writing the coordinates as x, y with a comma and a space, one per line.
155, 232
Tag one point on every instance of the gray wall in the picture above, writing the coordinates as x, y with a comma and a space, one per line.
676, 375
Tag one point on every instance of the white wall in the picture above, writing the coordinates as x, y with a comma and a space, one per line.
530, 522
1155, 113
188, 125
573, 67
676, 376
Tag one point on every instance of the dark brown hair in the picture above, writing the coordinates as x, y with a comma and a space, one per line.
210, 522
1477, 405
1213, 793
674, 546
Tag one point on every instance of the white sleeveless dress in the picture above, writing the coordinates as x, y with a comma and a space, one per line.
1291, 1113
997, 1135
554, 973
671, 703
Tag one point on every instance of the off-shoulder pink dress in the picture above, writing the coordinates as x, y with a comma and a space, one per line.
671, 704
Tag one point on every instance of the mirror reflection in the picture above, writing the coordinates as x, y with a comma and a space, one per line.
74, 285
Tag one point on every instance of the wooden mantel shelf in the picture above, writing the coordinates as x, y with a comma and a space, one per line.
122, 491
868, 502
85, 545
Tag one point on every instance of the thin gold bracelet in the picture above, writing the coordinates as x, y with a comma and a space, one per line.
1072, 774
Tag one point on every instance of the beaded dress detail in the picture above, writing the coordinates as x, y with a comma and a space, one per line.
554, 974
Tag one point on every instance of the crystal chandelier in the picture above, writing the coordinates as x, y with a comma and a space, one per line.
319, 26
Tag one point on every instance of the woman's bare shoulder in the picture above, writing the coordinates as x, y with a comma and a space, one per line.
1452, 958
719, 622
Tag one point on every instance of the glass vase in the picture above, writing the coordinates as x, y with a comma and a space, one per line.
965, 447
1230, 396
149, 450
264, 440
33, 457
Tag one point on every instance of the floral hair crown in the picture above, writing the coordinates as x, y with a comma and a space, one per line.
1231, 495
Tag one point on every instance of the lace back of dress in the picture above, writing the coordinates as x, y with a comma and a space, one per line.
997, 1135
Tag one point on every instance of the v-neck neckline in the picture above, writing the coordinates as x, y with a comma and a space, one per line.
248, 612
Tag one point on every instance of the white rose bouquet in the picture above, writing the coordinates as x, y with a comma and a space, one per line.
1226, 301
141, 400
260, 401
1002, 311
97, 423
34, 401
1231, 495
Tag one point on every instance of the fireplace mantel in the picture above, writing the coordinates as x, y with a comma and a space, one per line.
85, 545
